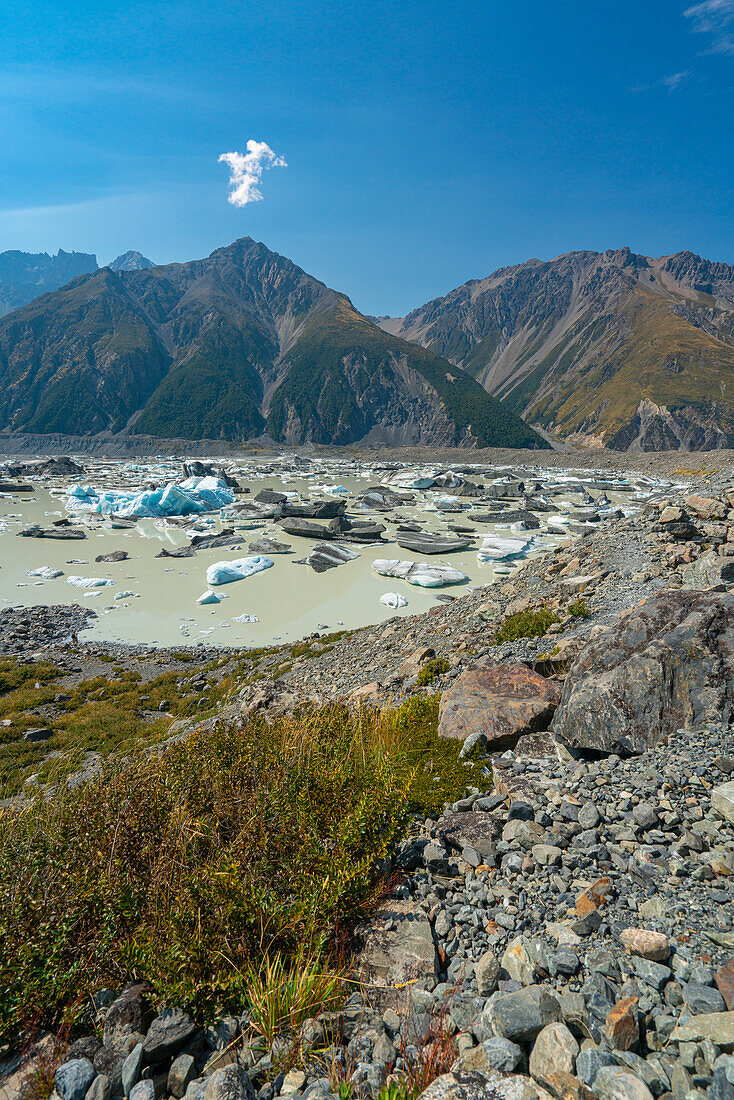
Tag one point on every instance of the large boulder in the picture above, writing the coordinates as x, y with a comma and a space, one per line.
398, 950
664, 665
502, 702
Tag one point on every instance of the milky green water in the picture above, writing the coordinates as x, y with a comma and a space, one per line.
289, 600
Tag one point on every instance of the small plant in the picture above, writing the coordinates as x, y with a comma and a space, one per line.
579, 609
525, 624
431, 670
282, 995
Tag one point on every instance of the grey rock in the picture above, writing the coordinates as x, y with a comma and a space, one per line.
554, 1051
180, 1075
230, 1083
486, 972
615, 1083
144, 1090
520, 1016
129, 1013
703, 998
72, 1079
131, 1069
167, 1035
100, 1088
722, 1086
589, 1062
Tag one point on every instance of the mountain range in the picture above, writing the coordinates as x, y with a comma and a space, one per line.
238, 345
606, 348
26, 275
597, 348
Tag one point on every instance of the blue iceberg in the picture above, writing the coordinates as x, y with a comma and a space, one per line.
184, 498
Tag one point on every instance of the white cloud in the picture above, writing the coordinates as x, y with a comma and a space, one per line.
713, 17
675, 80
246, 170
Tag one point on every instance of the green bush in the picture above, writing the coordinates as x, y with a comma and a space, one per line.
525, 624
183, 864
431, 670
579, 609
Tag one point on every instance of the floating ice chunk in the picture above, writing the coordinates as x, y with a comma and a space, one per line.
393, 599
89, 582
123, 595
209, 597
499, 548
245, 619
223, 572
46, 572
422, 573
194, 495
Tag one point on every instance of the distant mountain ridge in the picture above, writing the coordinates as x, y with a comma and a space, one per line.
240, 344
607, 347
25, 276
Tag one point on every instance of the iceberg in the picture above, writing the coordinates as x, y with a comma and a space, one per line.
422, 573
393, 599
45, 572
185, 498
209, 597
499, 548
245, 619
224, 572
89, 582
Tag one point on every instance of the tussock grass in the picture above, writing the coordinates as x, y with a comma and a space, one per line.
191, 864
525, 624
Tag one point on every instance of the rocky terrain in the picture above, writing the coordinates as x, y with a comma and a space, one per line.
609, 347
565, 929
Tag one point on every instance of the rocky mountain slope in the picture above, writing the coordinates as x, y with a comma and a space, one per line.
24, 275
131, 261
614, 348
234, 346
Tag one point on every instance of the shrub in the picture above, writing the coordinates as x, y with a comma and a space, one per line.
186, 864
579, 609
431, 670
525, 624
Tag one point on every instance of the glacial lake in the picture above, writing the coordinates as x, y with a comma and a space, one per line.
289, 600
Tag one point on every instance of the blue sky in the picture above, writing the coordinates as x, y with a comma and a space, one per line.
427, 142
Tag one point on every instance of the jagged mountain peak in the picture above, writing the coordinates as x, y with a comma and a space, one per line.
131, 261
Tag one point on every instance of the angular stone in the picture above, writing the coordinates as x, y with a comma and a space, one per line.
167, 1035
724, 978
144, 1090
564, 1086
471, 829
703, 998
722, 801
501, 701
518, 962
129, 1013
594, 897
486, 972
664, 665
489, 1086
716, 1026
554, 1051
230, 1083
398, 948
589, 1062
100, 1088
72, 1079
722, 1086
520, 1016
131, 1069
648, 945
615, 1083
181, 1073
621, 1026
493, 1054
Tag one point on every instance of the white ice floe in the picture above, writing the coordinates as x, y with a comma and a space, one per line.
245, 619
123, 595
209, 597
223, 572
89, 582
393, 599
194, 495
423, 573
500, 548
45, 572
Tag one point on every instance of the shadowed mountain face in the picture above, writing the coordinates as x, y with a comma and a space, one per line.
25, 275
234, 346
611, 347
